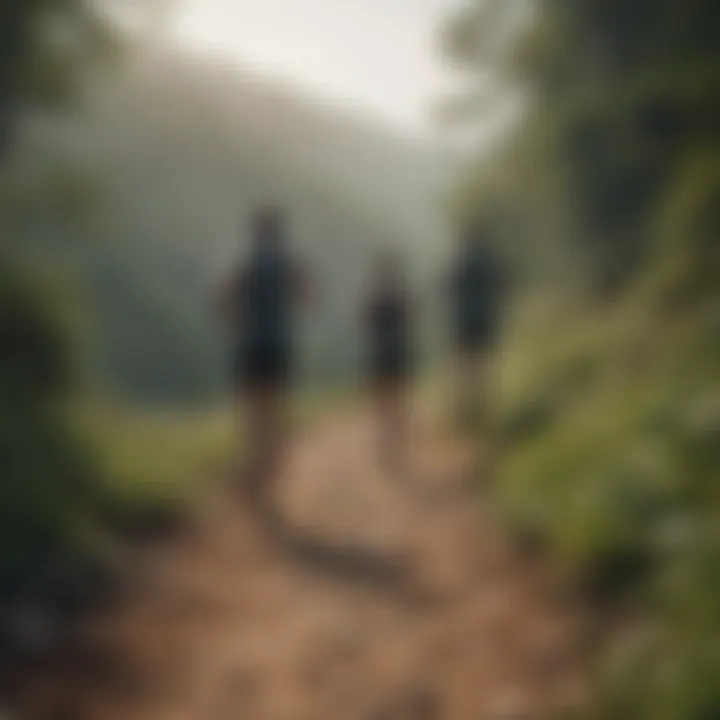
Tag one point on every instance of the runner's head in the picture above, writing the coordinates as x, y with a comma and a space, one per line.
267, 228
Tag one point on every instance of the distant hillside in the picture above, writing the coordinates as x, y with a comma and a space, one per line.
181, 151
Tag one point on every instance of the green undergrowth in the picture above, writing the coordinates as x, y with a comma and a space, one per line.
155, 464
611, 426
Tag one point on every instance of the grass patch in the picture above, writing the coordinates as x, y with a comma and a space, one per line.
156, 464
612, 440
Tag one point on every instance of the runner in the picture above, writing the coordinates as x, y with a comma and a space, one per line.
387, 316
476, 289
259, 302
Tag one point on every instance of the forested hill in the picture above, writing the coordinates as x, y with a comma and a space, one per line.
375, 169
178, 151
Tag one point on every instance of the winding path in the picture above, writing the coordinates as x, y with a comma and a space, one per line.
377, 597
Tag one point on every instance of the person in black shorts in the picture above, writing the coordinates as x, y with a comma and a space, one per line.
387, 316
259, 302
476, 291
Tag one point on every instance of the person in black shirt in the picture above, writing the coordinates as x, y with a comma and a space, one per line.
258, 303
476, 288
387, 316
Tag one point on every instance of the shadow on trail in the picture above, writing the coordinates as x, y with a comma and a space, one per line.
53, 684
387, 572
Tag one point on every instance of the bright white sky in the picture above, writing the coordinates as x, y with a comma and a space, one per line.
377, 54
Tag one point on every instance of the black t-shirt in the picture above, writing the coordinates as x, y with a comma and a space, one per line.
476, 289
265, 295
389, 329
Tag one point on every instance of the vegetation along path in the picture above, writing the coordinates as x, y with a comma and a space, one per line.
373, 596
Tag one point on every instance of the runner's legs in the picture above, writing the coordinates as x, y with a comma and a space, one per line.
391, 408
265, 436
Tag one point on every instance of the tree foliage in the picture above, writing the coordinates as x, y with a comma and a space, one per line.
48, 49
613, 428
619, 94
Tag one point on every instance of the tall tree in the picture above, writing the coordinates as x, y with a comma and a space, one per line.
628, 93
47, 49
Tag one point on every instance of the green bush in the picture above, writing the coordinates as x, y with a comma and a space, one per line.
78, 476
46, 486
617, 476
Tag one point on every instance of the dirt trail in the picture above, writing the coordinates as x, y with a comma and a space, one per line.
377, 598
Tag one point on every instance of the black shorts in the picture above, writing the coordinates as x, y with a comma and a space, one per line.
390, 366
262, 366
475, 338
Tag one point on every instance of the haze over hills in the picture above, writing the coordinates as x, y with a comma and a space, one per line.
181, 150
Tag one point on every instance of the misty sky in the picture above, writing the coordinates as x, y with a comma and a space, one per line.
379, 54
